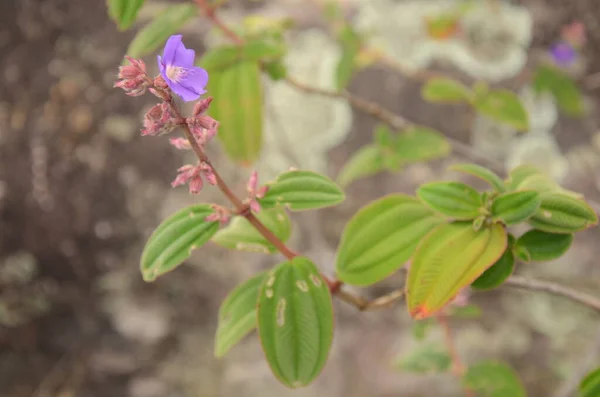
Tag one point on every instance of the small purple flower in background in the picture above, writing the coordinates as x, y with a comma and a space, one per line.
177, 68
563, 54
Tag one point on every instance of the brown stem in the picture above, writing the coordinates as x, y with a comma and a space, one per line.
212, 15
458, 368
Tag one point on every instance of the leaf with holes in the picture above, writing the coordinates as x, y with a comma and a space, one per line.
237, 103
590, 385
539, 246
241, 235
448, 259
365, 162
441, 89
295, 321
154, 35
124, 12
381, 237
499, 271
175, 238
493, 379
515, 207
425, 359
302, 190
453, 199
421, 144
482, 173
560, 213
504, 106
237, 314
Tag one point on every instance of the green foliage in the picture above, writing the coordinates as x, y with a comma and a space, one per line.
295, 321
154, 35
276, 70
124, 12
453, 199
515, 207
420, 328
499, 271
539, 246
381, 237
482, 173
590, 385
556, 82
448, 259
528, 177
302, 190
503, 106
174, 240
237, 314
238, 105
350, 42
366, 161
560, 213
441, 89
417, 143
492, 379
425, 359
241, 235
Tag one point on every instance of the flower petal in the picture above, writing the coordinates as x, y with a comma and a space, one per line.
184, 57
171, 47
196, 79
187, 94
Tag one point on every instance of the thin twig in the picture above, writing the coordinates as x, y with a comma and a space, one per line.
458, 368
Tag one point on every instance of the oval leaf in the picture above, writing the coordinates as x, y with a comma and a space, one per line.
440, 89
562, 87
295, 321
153, 35
498, 273
241, 235
539, 246
174, 240
381, 237
560, 213
590, 385
504, 106
124, 12
365, 162
216, 59
350, 43
453, 199
482, 173
448, 259
302, 190
515, 207
427, 359
492, 379
421, 144
237, 314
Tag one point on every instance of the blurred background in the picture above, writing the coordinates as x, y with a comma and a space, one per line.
80, 192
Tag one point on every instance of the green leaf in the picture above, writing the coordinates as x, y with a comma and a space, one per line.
237, 314
295, 321
275, 69
528, 177
421, 327
241, 235
365, 162
421, 144
302, 190
426, 359
539, 246
350, 43
504, 106
124, 12
381, 237
482, 173
453, 199
497, 273
384, 138
466, 312
448, 259
441, 89
262, 51
560, 213
153, 35
562, 87
515, 207
216, 59
238, 105
590, 385
492, 379
174, 240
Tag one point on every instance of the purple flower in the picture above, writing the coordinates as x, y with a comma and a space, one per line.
177, 68
563, 54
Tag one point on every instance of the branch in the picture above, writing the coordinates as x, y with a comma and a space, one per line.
458, 368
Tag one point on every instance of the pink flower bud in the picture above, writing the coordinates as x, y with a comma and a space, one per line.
196, 184
158, 120
201, 106
159, 82
180, 143
221, 214
133, 78
254, 206
209, 173
203, 121
260, 193
252, 182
